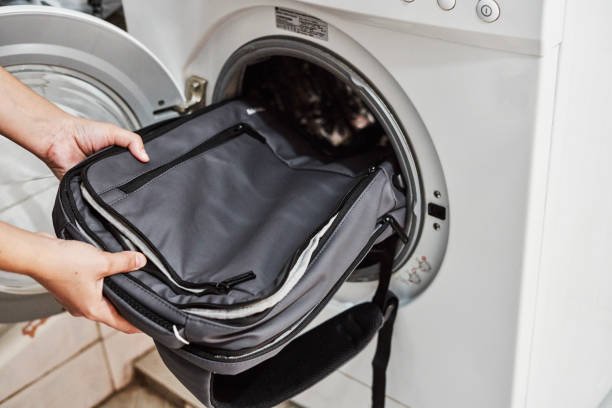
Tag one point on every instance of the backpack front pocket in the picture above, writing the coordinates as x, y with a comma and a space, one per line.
192, 214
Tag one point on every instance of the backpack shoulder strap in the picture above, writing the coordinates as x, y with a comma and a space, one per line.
388, 304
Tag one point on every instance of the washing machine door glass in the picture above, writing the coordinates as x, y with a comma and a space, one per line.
91, 69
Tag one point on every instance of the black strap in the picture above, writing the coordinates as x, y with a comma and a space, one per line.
302, 363
388, 304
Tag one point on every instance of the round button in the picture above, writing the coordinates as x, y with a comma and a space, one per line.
487, 10
447, 4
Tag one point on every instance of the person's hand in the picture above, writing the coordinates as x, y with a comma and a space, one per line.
72, 139
56, 137
73, 272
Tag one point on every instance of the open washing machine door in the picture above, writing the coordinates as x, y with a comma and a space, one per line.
89, 68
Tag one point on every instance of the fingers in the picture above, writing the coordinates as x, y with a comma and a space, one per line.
107, 314
125, 261
131, 141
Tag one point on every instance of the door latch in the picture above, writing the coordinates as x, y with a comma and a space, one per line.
195, 95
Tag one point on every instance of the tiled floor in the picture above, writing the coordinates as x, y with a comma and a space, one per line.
152, 372
138, 395
65, 362
78, 383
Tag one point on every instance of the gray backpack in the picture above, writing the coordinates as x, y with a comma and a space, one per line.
248, 232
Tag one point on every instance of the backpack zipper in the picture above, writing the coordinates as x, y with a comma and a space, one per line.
228, 284
396, 228
217, 140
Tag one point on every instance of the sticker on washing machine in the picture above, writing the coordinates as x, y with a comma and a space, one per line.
301, 23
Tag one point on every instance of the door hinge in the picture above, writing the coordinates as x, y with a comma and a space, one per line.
195, 95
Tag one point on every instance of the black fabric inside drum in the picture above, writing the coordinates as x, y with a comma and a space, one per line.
329, 113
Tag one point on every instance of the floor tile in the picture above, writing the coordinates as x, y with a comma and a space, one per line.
136, 396
340, 391
29, 350
82, 382
157, 376
106, 331
121, 350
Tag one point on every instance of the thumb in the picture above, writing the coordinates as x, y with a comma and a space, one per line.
129, 140
125, 261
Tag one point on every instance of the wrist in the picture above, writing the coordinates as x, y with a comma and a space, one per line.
44, 252
25, 117
26, 252
49, 133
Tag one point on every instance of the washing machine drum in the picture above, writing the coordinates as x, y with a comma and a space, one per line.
248, 233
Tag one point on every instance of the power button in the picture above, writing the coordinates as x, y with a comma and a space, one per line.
487, 10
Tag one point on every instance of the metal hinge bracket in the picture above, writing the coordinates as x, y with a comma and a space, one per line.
195, 95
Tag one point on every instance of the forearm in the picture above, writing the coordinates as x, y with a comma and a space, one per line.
71, 270
25, 117
21, 251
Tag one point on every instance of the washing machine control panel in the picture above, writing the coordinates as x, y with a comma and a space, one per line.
525, 26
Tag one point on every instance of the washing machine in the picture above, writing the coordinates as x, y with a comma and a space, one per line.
497, 114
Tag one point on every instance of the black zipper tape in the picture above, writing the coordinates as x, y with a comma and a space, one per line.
397, 228
228, 284
208, 288
217, 140
346, 206
137, 306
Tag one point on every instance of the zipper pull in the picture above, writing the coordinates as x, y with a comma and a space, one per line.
392, 222
178, 333
227, 285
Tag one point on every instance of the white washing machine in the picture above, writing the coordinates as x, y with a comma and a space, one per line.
498, 115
